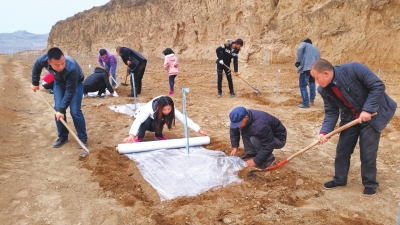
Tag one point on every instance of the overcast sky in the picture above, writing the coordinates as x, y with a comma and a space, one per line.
38, 16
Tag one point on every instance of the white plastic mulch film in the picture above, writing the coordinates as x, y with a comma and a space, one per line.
174, 172
128, 109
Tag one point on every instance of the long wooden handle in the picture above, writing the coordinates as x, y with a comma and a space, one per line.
66, 125
337, 130
241, 78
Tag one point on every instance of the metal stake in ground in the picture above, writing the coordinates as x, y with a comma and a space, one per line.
256, 89
276, 83
134, 89
184, 90
68, 128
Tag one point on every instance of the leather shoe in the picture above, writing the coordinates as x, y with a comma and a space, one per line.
248, 156
331, 184
303, 106
369, 191
60, 142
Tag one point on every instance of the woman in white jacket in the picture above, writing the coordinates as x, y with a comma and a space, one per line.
153, 116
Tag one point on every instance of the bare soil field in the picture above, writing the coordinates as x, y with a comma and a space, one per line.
42, 185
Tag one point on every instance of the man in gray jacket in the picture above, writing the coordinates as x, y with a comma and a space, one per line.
306, 55
355, 92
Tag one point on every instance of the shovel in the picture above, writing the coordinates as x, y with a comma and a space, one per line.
337, 130
68, 128
126, 77
256, 89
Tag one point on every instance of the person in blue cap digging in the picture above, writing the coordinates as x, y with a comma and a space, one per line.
261, 134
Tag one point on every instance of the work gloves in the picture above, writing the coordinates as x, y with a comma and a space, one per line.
297, 64
220, 61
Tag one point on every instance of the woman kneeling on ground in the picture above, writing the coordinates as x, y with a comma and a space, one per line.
153, 116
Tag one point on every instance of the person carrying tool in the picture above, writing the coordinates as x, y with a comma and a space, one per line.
98, 81
353, 91
136, 64
171, 65
152, 117
261, 134
230, 49
108, 61
306, 55
68, 91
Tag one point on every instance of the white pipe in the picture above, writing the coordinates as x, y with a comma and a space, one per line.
165, 144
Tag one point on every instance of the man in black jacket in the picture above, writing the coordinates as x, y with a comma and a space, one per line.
353, 91
261, 134
98, 81
136, 64
230, 49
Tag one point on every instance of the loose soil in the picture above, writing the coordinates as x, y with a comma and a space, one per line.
42, 185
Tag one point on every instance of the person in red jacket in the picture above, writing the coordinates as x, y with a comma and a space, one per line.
171, 65
48, 82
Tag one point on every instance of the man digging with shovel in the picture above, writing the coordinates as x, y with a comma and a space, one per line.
261, 134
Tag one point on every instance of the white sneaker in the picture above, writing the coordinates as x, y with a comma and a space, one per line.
115, 94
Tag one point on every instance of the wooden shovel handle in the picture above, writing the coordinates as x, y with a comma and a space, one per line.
66, 126
337, 130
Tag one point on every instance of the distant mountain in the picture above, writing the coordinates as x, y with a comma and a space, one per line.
22, 40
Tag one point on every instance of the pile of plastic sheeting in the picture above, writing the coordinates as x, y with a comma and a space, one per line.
174, 172
128, 109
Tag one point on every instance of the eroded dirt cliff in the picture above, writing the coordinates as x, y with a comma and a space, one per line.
344, 30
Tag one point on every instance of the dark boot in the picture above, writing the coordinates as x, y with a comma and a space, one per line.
60, 142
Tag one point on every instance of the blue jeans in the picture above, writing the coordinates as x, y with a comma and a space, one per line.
369, 142
108, 66
304, 79
75, 110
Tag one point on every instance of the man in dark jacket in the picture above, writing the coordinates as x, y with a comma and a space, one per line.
67, 88
354, 92
230, 49
136, 64
261, 134
98, 81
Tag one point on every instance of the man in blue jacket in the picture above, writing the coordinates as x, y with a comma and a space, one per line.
354, 92
68, 91
261, 134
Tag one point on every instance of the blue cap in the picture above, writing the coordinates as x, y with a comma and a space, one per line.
237, 115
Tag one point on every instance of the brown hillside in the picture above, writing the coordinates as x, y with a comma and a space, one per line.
343, 30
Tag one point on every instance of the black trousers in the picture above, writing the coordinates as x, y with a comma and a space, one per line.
101, 88
228, 73
138, 72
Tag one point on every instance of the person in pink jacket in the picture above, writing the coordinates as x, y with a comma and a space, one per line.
171, 65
